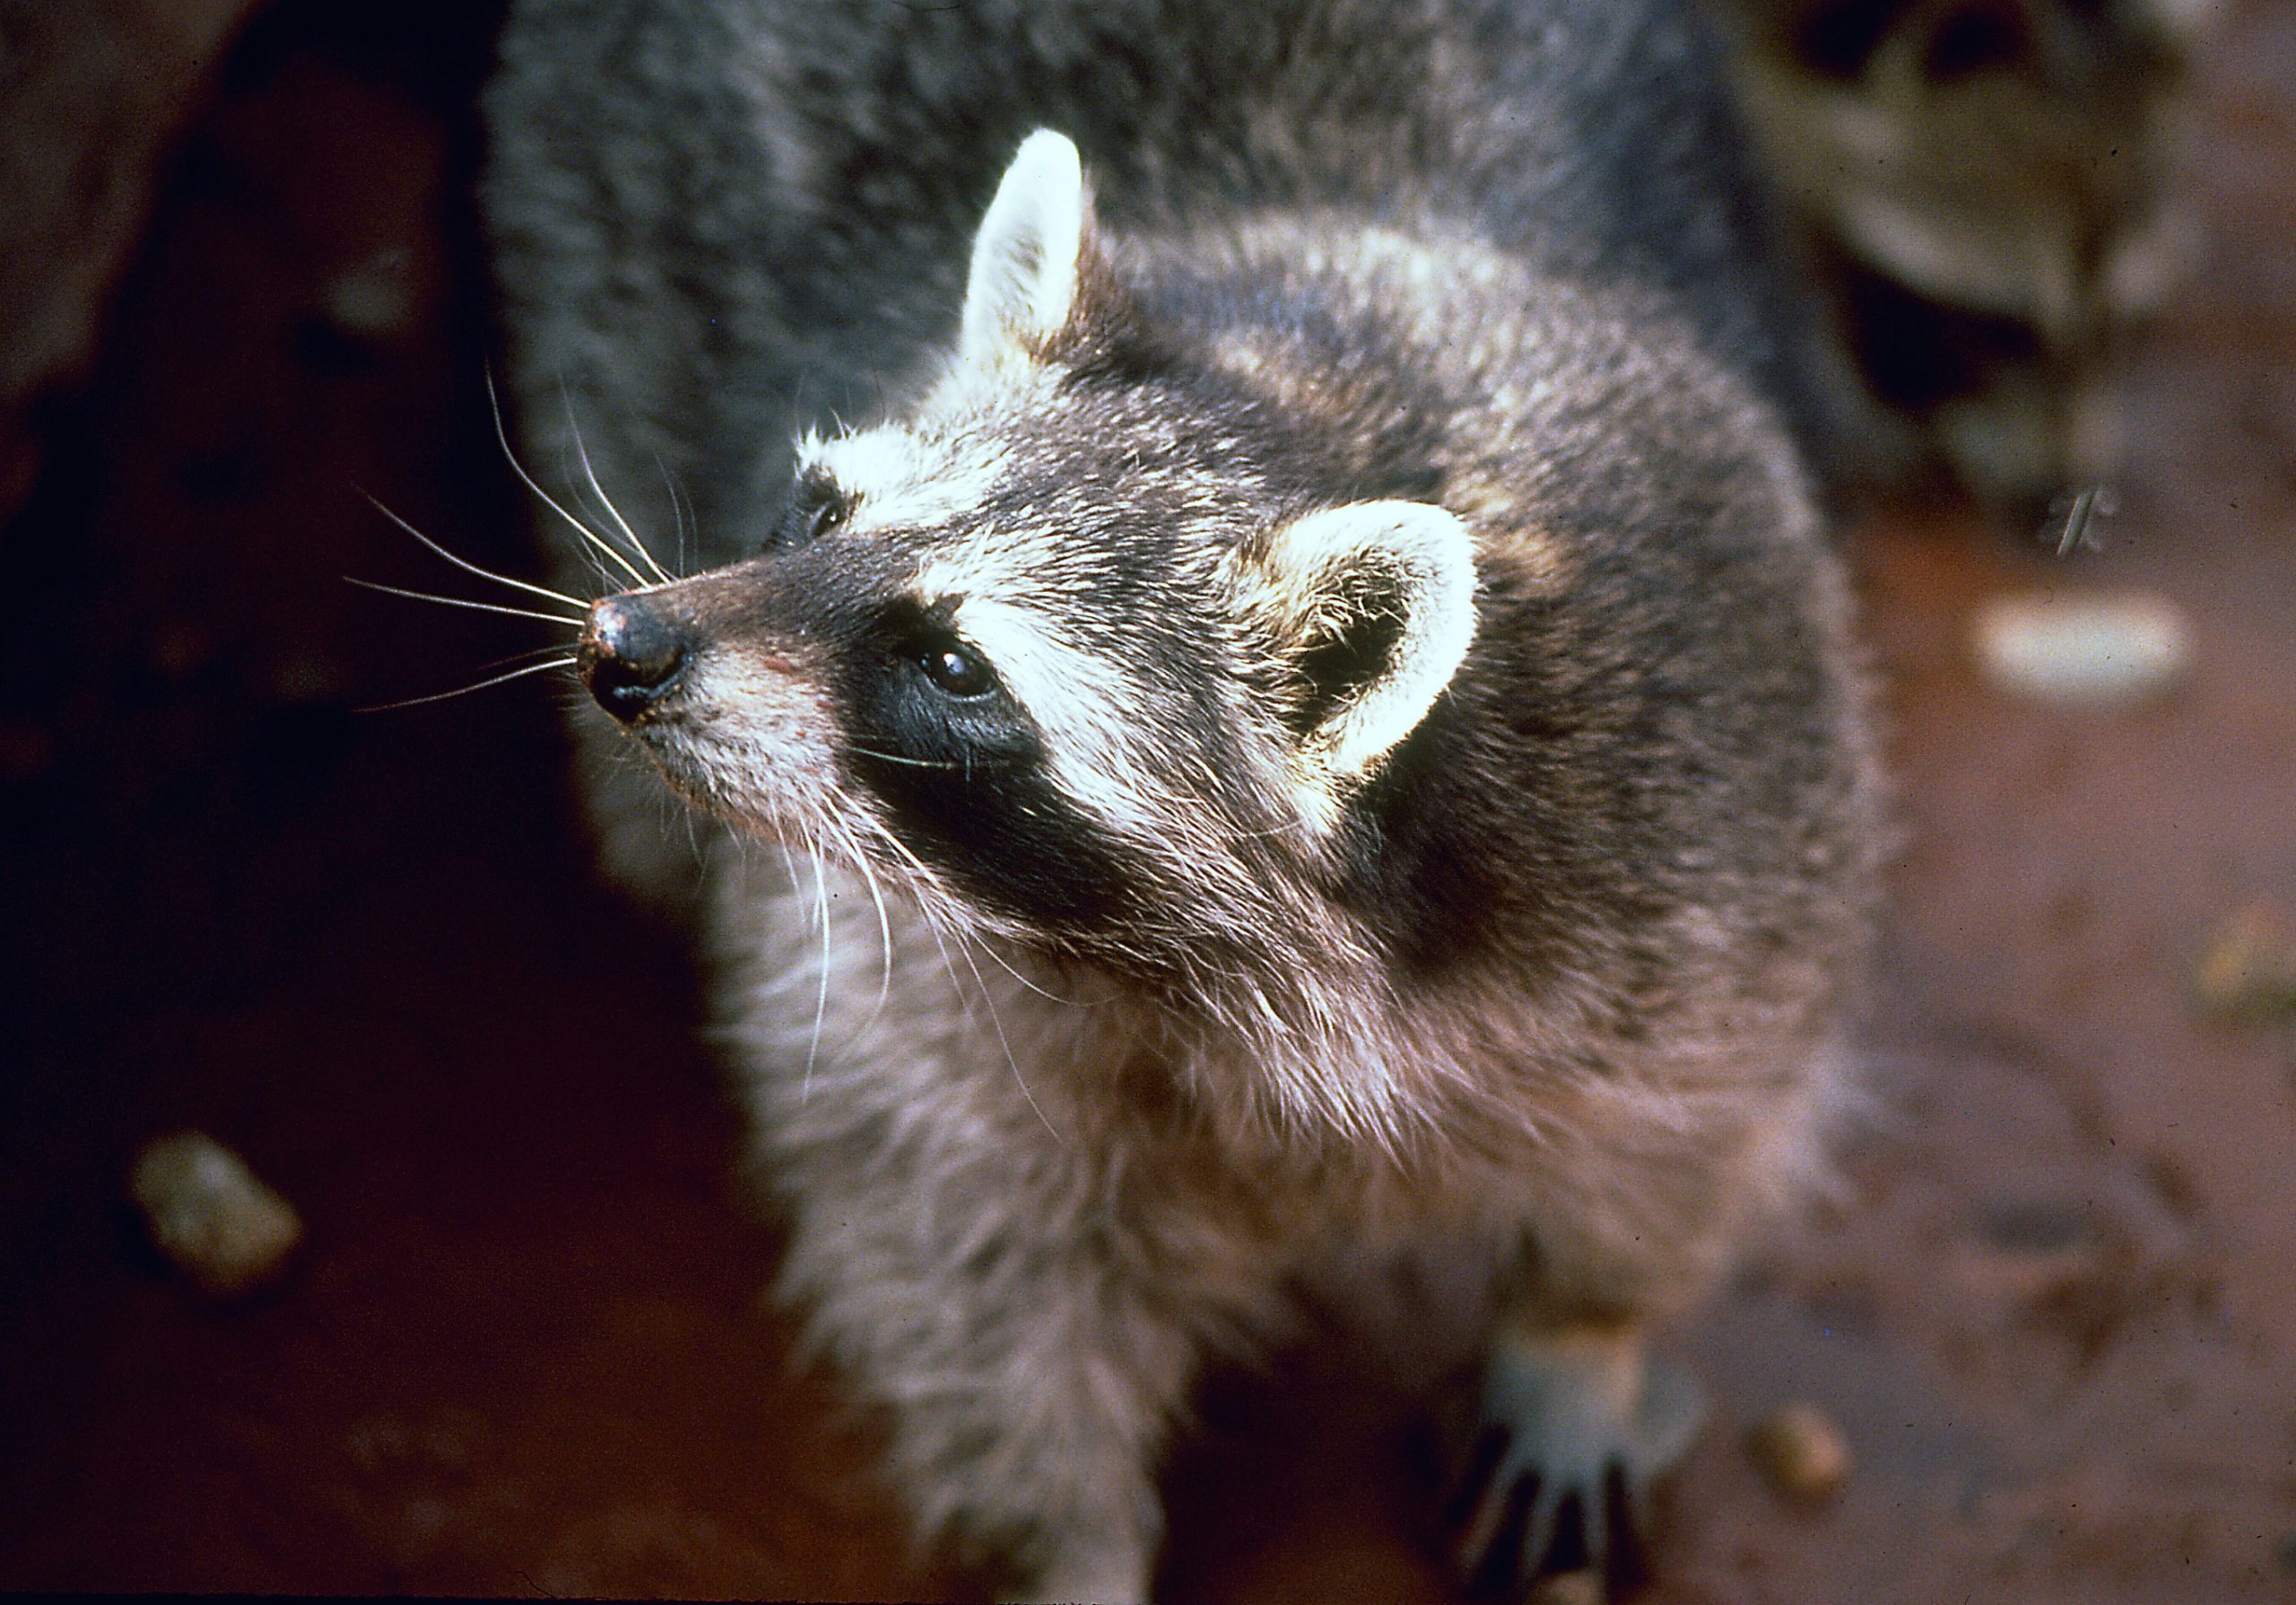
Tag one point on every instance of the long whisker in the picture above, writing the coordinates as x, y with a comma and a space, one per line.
902, 848
884, 925
868, 752
527, 656
597, 543
995, 1019
614, 512
524, 657
441, 697
1004, 965
425, 595
1003, 1040
549, 501
608, 581
933, 928
677, 504
820, 997
925, 876
924, 908
472, 568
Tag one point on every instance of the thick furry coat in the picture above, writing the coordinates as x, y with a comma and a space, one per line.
1295, 665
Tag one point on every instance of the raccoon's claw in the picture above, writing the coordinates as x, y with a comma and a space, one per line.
1556, 1466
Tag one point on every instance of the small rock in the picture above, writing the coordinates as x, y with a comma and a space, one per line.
1800, 1452
210, 1216
2101, 651
2247, 967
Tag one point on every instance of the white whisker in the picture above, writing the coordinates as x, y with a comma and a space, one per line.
597, 543
932, 926
933, 922
1003, 1040
526, 655
884, 925
820, 995
869, 752
425, 595
473, 568
588, 535
677, 506
1048, 997
583, 453
441, 697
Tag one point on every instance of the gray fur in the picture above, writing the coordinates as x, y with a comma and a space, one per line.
1551, 978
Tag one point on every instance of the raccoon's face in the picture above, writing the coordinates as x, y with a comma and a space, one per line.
1074, 647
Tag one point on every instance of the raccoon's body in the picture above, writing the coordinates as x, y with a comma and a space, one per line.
1315, 719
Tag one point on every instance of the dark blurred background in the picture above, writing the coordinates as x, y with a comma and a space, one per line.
522, 1350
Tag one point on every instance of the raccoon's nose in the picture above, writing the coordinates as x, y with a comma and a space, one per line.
631, 655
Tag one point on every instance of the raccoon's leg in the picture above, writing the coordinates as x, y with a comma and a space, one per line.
1572, 1421
964, 1238
1572, 1425
1638, 1208
1027, 1389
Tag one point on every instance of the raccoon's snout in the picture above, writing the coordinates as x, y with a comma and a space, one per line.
632, 655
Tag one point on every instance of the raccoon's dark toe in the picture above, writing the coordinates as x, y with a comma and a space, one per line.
1553, 1472
1518, 1528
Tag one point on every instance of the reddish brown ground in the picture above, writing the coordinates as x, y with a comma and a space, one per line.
2055, 1312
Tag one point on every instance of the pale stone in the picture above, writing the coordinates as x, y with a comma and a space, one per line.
1802, 1452
211, 1217
2095, 651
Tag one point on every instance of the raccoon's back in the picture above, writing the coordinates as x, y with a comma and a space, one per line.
718, 223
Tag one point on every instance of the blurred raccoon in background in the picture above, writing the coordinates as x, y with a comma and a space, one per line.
1978, 190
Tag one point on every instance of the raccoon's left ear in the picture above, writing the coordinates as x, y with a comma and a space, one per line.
1373, 604
1030, 253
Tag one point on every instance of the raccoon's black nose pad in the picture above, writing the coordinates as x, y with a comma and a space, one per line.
631, 655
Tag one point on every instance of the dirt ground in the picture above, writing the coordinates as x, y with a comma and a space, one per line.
524, 1350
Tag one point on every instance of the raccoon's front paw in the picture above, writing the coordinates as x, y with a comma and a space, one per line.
1555, 1458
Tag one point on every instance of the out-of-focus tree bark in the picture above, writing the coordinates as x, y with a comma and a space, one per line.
92, 93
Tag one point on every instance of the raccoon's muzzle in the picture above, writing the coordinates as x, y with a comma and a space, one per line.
632, 655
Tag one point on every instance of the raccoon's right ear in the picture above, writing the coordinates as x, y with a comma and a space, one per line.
1030, 255
1372, 607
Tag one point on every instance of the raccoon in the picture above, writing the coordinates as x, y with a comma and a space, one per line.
1272, 682
1980, 193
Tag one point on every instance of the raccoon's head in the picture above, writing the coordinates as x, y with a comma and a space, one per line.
1084, 647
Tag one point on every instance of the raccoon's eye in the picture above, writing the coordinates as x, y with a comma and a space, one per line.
815, 507
956, 671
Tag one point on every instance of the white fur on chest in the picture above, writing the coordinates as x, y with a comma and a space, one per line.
850, 1008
